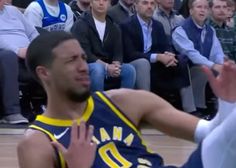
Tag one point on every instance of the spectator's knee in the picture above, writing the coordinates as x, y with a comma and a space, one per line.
144, 64
97, 69
128, 70
8, 55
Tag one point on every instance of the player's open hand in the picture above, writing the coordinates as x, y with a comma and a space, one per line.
81, 151
224, 85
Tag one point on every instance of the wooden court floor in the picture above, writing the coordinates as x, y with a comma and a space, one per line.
174, 151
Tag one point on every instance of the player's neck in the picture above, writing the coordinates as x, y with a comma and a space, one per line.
64, 109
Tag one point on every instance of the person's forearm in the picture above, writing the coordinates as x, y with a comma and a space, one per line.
185, 46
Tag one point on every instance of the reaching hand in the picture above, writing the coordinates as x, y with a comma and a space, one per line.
217, 67
81, 151
224, 85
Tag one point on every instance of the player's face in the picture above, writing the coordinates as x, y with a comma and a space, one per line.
69, 71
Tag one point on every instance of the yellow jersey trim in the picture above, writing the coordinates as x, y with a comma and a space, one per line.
123, 117
58, 122
118, 113
62, 160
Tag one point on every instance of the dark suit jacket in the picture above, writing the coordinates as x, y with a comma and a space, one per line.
161, 77
133, 39
118, 13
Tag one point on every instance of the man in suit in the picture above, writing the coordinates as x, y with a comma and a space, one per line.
146, 47
122, 10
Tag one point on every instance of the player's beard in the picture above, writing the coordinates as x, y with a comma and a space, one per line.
78, 97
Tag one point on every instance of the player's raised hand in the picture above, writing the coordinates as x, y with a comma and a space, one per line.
224, 85
81, 151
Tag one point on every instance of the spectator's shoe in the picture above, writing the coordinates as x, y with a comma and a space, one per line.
14, 119
208, 117
197, 114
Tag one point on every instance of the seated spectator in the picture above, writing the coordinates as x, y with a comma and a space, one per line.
225, 34
184, 9
10, 109
177, 5
196, 41
15, 34
101, 40
122, 10
146, 47
78, 7
50, 14
67, 1
21, 3
165, 14
230, 13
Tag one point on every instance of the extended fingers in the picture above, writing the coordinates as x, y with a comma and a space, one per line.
90, 133
74, 132
82, 131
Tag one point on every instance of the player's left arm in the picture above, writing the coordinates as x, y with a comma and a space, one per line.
145, 106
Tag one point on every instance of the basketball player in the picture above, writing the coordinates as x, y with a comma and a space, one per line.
59, 62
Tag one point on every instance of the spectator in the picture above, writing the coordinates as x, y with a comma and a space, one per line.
122, 10
165, 14
50, 14
184, 10
225, 34
21, 3
177, 5
101, 40
78, 7
230, 13
146, 46
195, 40
15, 34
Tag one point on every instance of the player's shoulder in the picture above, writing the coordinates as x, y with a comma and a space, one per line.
32, 139
127, 93
35, 150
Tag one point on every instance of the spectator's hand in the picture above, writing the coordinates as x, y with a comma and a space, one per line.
224, 84
22, 52
117, 63
168, 59
118, 68
114, 70
217, 67
81, 151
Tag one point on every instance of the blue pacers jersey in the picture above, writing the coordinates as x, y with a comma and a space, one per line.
119, 142
52, 23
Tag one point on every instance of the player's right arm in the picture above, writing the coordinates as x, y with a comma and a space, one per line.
35, 151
